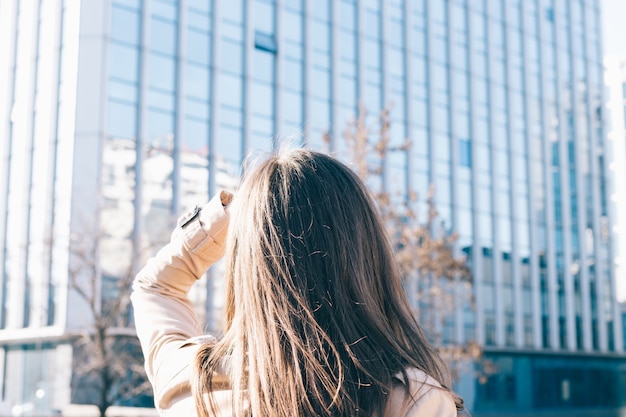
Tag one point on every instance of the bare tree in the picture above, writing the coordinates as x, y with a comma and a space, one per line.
108, 363
434, 271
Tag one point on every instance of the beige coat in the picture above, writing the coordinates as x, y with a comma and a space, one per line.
170, 333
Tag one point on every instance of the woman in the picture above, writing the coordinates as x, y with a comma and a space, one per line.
317, 323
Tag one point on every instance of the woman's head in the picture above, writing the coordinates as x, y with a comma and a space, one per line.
306, 234
316, 317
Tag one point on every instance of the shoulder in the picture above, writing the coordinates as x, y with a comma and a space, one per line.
425, 398
172, 389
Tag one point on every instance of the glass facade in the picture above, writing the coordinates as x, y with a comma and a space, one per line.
500, 100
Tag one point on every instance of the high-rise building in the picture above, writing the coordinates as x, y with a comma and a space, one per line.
119, 114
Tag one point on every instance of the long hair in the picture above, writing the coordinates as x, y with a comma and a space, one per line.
317, 323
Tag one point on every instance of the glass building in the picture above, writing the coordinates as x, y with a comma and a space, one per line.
117, 115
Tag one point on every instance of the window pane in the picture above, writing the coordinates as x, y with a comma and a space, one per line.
319, 36
371, 53
229, 145
230, 90
159, 125
161, 9
234, 11
197, 82
260, 141
347, 15
125, 25
135, 4
231, 57
122, 120
320, 83
319, 114
321, 9
161, 72
196, 108
263, 66
199, 20
261, 125
231, 117
203, 5
347, 45
293, 75
123, 91
196, 136
160, 100
292, 26
262, 96
372, 22
264, 17
123, 62
232, 32
347, 90
292, 106
264, 42
198, 47
465, 148
163, 37
293, 4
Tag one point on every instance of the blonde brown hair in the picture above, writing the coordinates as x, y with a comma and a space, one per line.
317, 323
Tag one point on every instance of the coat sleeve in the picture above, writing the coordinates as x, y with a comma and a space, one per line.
164, 316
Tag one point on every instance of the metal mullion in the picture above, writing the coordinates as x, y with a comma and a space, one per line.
566, 222
408, 108
513, 214
496, 251
477, 265
5, 150
246, 80
52, 158
583, 279
595, 200
141, 122
19, 260
408, 88
279, 59
549, 187
360, 76
430, 90
599, 263
179, 110
213, 134
306, 70
534, 267
454, 167
334, 76
29, 163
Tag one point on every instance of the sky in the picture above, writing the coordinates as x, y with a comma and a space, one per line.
614, 26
